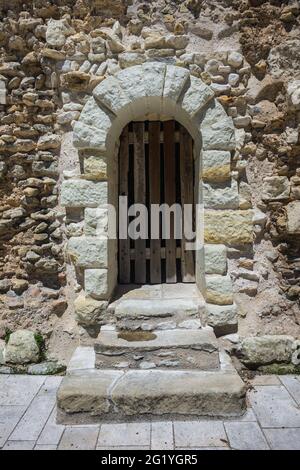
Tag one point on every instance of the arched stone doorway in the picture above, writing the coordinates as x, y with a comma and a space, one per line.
156, 92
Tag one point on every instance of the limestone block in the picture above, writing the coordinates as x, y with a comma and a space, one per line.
228, 226
95, 167
223, 318
2, 92
132, 82
216, 165
83, 193
235, 59
217, 129
22, 348
218, 289
154, 77
57, 31
226, 197
293, 91
196, 97
275, 188
111, 94
96, 221
130, 59
266, 349
175, 80
215, 259
95, 283
89, 311
88, 252
293, 217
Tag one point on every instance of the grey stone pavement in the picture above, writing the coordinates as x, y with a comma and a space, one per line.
27, 421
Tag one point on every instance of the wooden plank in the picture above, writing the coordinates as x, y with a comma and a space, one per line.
187, 191
124, 244
147, 138
170, 197
162, 253
154, 189
139, 197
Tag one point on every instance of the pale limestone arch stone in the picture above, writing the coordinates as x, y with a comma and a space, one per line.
150, 91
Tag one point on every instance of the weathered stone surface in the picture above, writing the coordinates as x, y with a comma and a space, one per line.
259, 350
228, 226
88, 311
235, 59
88, 252
2, 92
215, 259
293, 217
223, 318
83, 193
132, 82
46, 368
95, 167
217, 129
276, 188
22, 347
165, 349
218, 289
88, 391
216, 165
57, 31
95, 283
175, 80
226, 197
293, 91
96, 221
196, 97
111, 94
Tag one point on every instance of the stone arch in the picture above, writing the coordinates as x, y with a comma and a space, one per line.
156, 91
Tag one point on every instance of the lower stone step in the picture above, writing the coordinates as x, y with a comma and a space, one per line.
182, 349
158, 313
88, 395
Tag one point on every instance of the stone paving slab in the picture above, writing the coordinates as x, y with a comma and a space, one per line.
162, 435
19, 445
191, 434
245, 436
19, 390
124, 434
9, 417
292, 384
52, 432
79, 438
283, 439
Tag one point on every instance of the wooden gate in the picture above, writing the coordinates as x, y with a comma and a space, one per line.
155, 167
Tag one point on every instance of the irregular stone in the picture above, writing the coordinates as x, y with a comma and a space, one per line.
223, 318
202, 31
275, 188
175, 80
96, 221
83, 193
57, 31
49, 141
88, 252
228, 226
235, 59
129, 59
22, 348
95, 283
46, 368
218, 289
266, 89
90, 312
261, 350
293, 91
2, 92
111, 94
215, 259
216, 165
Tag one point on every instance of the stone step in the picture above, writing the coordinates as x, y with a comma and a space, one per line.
94, 395
195, 349
159, 313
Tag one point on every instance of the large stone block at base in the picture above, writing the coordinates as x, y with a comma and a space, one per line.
215, 259
218, 289
223, 318
88, 252
258, 350
228, 226
216, 165
22, 348
95, 283
90, 312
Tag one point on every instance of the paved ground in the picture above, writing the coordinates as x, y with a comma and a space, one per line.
27, 421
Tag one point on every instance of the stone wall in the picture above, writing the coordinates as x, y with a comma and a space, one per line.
54, 54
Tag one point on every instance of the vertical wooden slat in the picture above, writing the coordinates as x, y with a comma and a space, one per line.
124, 244
154, 187
139, 197
170, 197
187, 188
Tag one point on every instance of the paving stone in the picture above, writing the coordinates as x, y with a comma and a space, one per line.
162, 435
199, 434
19, 445
34, 419
265, 380
82, 358
45, 447
9, 417
120, 448
283, 439
124, 434
245, 436
79, 438
52, 432
292, 384
20, 389
274, 407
